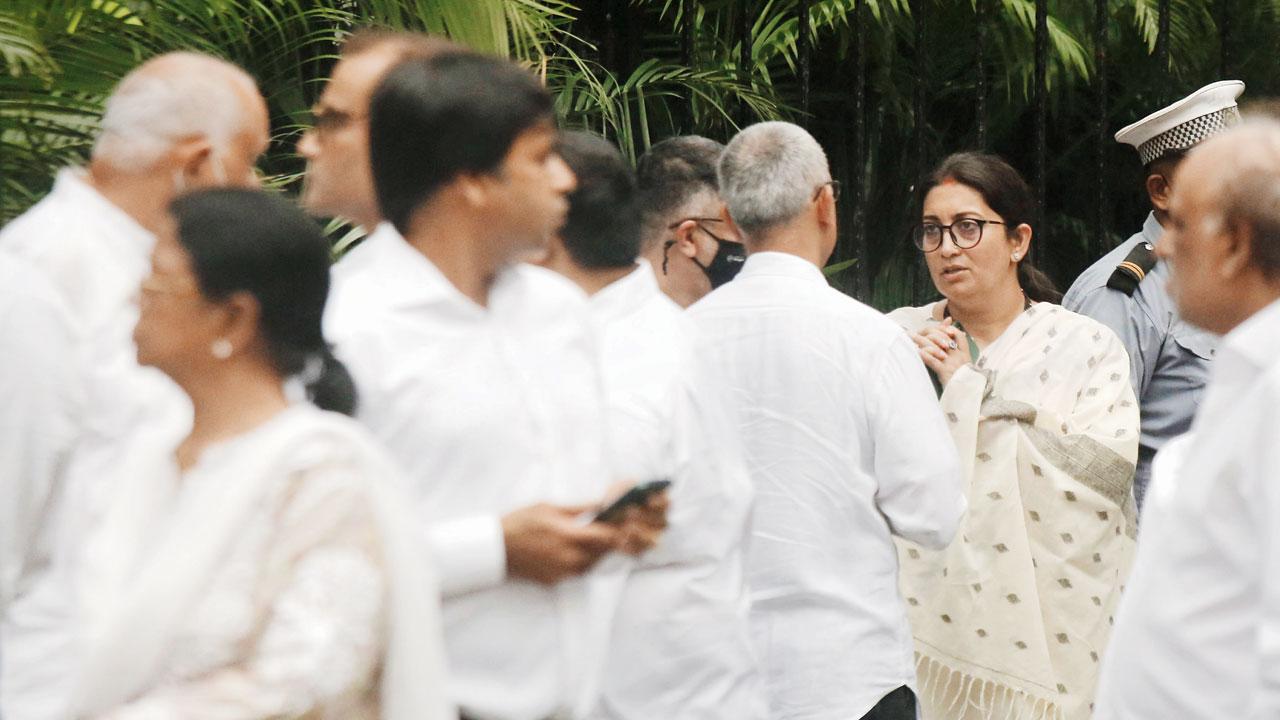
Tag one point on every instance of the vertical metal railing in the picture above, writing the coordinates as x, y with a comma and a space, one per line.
919, 13
688, 17
804, 49
1099, 242
1162, 47
857, 170
1041, 120
981, 12
746, 59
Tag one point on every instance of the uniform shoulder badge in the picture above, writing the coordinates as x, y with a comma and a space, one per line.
1133, 268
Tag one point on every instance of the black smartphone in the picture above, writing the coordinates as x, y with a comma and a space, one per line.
638, 495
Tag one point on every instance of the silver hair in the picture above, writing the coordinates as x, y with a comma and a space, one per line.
769, 173
170, 97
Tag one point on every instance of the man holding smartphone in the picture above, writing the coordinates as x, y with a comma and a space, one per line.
478, 372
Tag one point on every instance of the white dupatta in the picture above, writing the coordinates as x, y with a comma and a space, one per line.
1011, 620
151, 559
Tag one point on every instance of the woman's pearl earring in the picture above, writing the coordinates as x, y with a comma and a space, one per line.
221, 348
1015, 257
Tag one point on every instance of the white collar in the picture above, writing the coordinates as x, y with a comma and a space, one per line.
781, 264
1257, 339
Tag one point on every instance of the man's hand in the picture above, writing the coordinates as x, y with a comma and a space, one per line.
642, 526
548, 543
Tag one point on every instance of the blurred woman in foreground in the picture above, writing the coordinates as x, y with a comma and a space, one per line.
1011, 619
257, 567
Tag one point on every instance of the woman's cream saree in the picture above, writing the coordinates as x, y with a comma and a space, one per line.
1011, 620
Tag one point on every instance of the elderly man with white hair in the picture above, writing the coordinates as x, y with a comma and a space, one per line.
1198, 631
844, 441
178, 122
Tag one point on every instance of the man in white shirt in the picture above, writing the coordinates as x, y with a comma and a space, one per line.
844, 440
691, 249
1197, 635
177, 122
681, 646
480, 375
339, 183
42, 397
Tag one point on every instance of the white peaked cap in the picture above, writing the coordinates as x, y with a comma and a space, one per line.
1184, 124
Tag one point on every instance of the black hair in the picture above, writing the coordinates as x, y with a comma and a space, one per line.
248, 241
672, 171
433, 119
602, 229
1009, 195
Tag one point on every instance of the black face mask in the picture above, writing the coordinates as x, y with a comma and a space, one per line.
726, 264
723, 267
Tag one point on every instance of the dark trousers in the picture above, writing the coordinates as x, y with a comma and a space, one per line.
897, 705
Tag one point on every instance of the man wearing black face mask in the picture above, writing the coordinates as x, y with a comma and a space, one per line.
685, 238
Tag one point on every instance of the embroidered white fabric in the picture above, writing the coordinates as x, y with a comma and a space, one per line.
255, 646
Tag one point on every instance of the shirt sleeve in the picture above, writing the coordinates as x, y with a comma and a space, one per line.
915, 459
470, 554
1120, 312
323, 635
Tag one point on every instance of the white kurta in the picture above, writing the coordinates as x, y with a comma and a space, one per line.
487, 410
1198, 632
846, 447
681, 645
41, 399
276, 577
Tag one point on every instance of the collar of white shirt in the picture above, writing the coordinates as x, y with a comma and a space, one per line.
1255, 341
406, 278
72, 185
781, 264
624, 294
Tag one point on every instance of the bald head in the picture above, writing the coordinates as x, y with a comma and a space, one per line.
175, 97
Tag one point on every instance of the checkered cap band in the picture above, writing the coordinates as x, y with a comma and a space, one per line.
1188, 134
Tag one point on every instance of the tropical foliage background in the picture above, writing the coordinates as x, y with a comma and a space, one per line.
888, 86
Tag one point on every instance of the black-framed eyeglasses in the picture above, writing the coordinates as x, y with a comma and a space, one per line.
699, 222
835, 190
965, 233
327, 120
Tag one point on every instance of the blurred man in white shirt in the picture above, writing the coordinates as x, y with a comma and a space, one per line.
1197, 635
844, 441
681, 645
179, 121
480, 375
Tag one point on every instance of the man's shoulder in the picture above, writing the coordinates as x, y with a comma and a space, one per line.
1096, 275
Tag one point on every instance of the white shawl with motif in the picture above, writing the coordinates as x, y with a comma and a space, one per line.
1011, 620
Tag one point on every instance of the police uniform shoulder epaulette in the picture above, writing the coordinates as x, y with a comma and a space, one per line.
1133, 268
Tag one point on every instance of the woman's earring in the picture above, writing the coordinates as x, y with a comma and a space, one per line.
1015, 257
221, 348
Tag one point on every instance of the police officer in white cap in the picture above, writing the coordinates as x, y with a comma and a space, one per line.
1125, 289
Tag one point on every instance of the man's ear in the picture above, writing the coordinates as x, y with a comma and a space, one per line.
1236, 246
826, 207
1159, 190
686, 239
733, 232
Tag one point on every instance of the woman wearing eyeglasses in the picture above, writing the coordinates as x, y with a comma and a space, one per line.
255, 564
1010, 621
